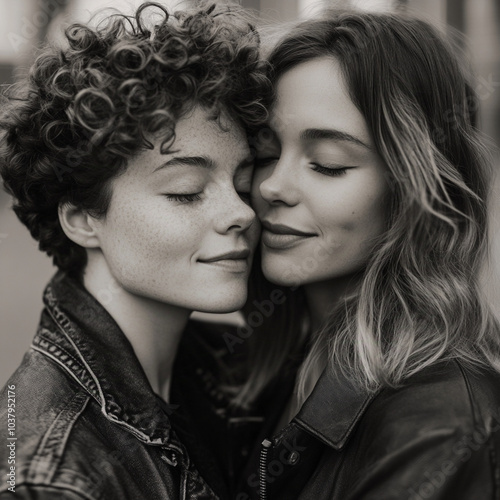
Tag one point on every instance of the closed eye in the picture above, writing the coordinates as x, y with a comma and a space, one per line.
331, 170
184, 198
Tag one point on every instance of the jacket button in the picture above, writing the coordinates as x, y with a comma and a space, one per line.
293, 458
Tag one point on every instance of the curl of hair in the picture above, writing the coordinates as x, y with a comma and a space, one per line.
419, 299
86, 109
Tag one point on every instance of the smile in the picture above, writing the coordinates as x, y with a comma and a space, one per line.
281, 237
232, 265
236, 261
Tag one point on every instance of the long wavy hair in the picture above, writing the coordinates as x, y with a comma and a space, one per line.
419, 300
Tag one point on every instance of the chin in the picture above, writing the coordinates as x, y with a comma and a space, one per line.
224, 302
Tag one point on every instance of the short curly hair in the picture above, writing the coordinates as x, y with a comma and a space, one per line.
85, 109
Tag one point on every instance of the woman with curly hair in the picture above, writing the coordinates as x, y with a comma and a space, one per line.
372, 191
127, 158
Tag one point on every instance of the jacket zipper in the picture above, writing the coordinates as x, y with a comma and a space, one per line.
266, 444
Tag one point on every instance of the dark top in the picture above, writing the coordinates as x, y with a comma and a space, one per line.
84, 422
437, 437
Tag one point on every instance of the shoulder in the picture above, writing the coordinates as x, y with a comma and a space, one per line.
446, 411
43, 398
50, 412
448, 394
437, 432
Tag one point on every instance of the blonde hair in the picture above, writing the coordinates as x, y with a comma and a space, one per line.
418, 300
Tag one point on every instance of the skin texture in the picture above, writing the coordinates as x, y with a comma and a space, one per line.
167, 217
342, 213
154, 241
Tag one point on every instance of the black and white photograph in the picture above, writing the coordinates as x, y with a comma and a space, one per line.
250, 249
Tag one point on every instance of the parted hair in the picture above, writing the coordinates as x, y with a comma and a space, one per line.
419, 299
86, 108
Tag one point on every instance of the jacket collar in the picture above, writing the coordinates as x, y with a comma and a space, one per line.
90, 346
334, 408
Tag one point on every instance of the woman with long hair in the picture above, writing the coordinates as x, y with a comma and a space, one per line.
126, 155
371, 185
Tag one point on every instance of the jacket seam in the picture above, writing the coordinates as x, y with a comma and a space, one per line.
55, 313
51, 448
50, 341
137, 433
61, 363
475, 420
66, 369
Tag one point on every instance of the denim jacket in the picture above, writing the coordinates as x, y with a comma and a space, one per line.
87, 423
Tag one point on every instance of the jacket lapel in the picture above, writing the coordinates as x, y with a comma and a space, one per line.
334, 408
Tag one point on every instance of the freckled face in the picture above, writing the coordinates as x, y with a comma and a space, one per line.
319, 187
179, 229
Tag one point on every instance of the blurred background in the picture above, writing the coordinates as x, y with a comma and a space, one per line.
24, 24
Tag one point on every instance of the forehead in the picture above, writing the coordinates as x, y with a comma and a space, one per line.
313, 94
197, 133
222, 145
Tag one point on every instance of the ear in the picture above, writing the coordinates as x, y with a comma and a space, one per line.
78, 226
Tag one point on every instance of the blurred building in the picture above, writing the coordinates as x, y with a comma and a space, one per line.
24, 24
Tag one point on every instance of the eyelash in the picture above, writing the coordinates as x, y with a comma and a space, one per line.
190, 198
184, 198
330, 171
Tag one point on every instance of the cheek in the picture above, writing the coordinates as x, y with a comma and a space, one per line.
145, 234
358, 215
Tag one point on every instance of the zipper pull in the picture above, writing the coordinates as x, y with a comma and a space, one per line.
172, 460
266, 444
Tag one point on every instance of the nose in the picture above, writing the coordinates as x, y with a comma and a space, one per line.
277, 184
235, 215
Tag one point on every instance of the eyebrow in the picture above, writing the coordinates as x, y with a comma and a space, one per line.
192, 161
319, 134
198, 161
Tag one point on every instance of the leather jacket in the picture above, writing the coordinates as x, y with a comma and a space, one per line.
436, 437
84, 422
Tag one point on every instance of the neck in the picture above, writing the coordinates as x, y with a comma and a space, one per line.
323, 296
153, 328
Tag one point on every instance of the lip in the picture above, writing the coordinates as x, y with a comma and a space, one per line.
282, 237
236, 261
283, 229
241, 254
